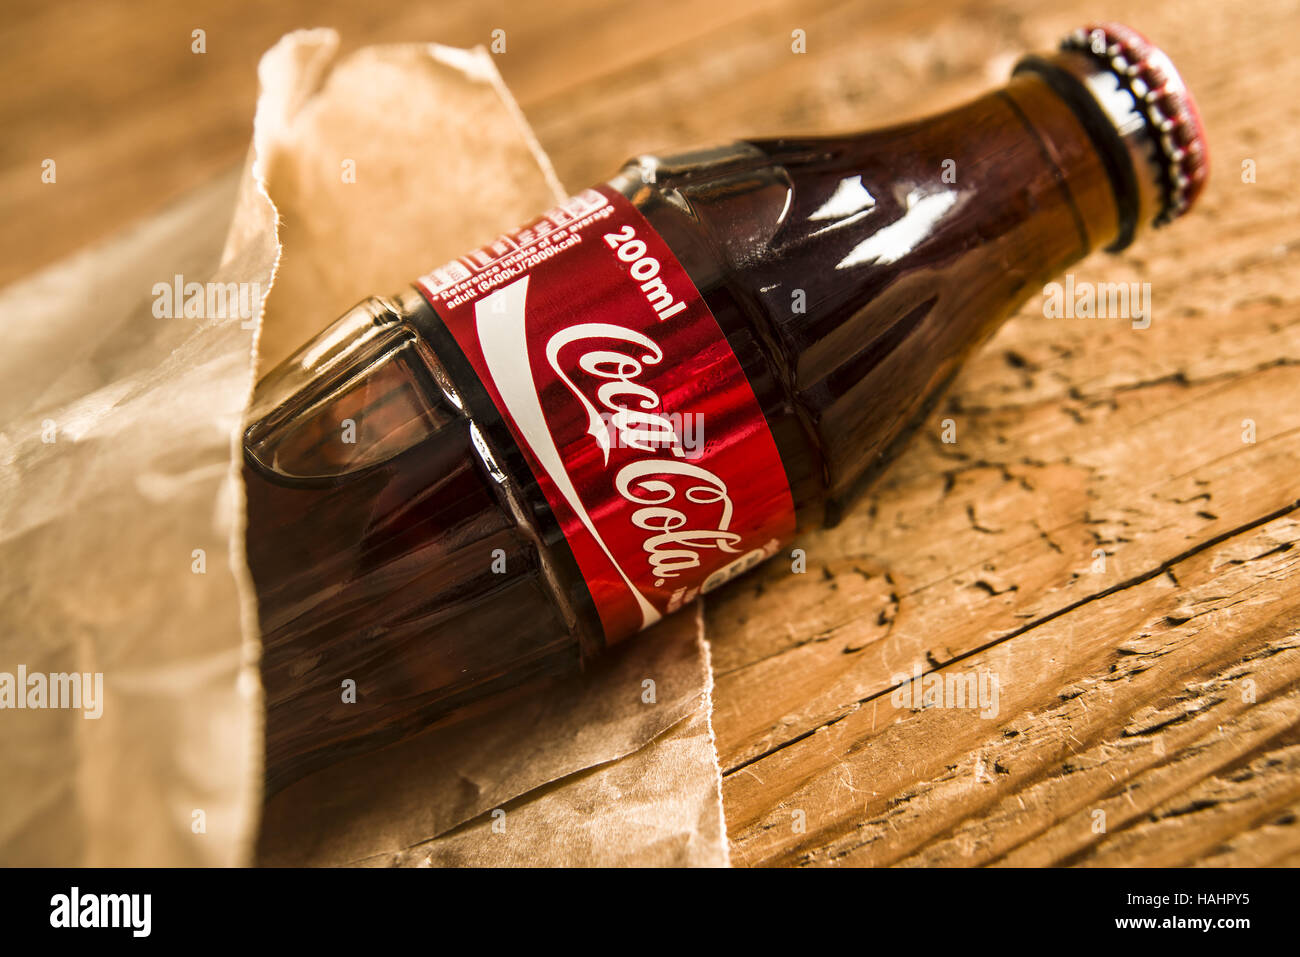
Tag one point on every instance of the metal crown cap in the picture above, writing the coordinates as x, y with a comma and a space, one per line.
1173, 120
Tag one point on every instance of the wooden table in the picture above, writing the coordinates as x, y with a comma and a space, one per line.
1112, 534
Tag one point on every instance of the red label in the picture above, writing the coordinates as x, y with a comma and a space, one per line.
631, 408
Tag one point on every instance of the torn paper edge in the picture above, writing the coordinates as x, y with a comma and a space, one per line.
275, 104
706, 651
478, 63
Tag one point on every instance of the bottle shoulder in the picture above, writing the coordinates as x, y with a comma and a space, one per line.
866, 266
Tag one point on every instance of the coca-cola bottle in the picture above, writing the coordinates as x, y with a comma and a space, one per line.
555, 440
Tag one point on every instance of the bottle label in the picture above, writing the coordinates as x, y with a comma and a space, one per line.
632, 410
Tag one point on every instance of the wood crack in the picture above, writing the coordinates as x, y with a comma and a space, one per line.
1038, 622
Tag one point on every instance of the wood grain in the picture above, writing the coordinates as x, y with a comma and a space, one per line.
1104, 536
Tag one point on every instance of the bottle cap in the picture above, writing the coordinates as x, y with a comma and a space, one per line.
1160, 94
1129, 96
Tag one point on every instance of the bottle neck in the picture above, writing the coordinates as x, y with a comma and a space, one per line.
1088, 184
909, 246
1030, 190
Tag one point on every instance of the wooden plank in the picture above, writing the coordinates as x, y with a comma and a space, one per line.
1116, 706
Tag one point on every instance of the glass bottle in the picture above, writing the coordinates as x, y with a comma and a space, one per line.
546, 445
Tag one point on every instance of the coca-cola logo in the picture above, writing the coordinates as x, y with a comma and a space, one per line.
675, 549
679, 508
653, 485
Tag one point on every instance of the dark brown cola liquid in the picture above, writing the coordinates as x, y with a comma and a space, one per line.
851, 276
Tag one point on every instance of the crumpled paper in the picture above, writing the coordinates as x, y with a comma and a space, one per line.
121, 552
379, 167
